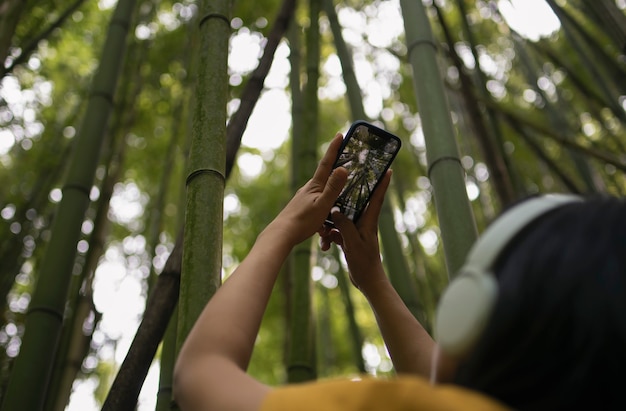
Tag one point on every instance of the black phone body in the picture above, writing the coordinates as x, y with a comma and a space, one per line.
367, 152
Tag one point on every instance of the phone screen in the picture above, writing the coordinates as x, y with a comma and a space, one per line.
367, 152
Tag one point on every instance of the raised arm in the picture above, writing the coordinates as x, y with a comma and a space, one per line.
210, 369
409, 345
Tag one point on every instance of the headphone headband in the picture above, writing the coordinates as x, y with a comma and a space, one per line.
486, 250
467, 303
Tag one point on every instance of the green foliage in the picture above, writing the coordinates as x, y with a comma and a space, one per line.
546, 98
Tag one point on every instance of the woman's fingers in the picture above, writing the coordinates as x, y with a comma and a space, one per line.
372, 212
325, 166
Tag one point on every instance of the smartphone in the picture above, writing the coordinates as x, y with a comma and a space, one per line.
367, 152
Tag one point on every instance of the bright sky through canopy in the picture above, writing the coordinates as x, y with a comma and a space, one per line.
531, 18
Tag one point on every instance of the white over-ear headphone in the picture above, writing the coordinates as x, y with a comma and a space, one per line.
466, 305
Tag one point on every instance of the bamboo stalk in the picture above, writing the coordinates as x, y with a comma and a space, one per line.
202, 256
479, 118
45, 316
356, 336
395, 261
456, 220
301, 360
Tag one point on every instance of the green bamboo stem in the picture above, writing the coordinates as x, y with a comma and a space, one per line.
356, 336
202, 256
486, 128
399, 275
456, 220
301, 360
326, 354
395, 261
45, 316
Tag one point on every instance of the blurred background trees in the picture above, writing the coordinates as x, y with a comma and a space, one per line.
534, 107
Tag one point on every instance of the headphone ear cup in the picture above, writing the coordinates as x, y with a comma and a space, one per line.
464, 310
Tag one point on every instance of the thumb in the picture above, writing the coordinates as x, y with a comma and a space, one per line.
345, 226
335, 184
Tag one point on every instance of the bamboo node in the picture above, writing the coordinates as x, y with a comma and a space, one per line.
47, 310
440, 159
79, 187
200, 171
209, 16
416, 43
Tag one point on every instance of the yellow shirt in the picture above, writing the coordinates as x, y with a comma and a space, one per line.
400, 394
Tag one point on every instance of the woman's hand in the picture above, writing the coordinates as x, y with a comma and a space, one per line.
305, 213
360, 241
408, 343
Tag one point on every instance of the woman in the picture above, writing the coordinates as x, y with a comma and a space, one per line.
509, 364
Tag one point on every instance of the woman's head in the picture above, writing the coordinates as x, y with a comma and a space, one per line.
556, 337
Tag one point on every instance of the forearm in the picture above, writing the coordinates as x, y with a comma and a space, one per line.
409, 344
210, 369
229, 323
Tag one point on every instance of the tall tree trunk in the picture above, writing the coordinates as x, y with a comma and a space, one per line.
356, 336
480, 119
395, 261
156, 317
45, 316
12, 253
202, 256
301, 362
75, 343
456, 220
326, 352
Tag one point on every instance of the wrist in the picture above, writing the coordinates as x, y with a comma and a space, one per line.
278, 235
373, 283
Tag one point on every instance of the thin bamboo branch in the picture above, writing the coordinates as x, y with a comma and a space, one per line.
559, 138
148, 337
556, 114
552, 165
10, 14
604, 83
253, 88
28, 49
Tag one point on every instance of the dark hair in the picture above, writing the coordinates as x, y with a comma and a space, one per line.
557, 337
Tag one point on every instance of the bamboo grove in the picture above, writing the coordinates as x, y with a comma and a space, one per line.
144, 144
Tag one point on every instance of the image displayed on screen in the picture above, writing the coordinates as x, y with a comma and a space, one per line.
366, 156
